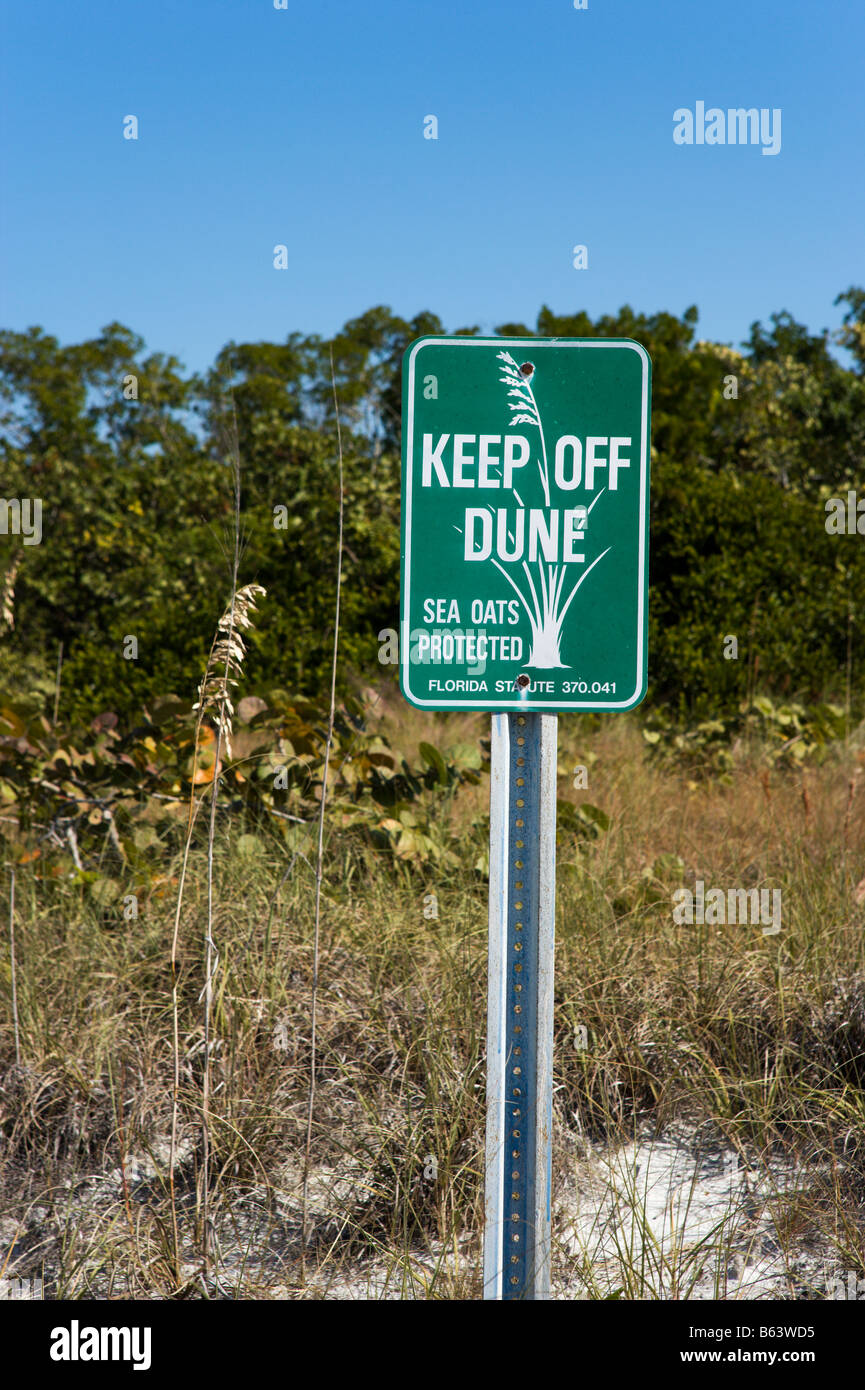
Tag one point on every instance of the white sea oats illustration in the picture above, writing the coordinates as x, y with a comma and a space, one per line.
546, 611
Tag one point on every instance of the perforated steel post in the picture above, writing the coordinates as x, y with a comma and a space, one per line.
520, 1006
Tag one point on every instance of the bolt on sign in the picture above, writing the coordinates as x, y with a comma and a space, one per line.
524, 523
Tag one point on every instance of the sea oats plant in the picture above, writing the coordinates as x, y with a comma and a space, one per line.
546, 612
223, 669
319, 864
7, 597
225, 666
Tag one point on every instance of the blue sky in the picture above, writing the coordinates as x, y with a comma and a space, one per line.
304, 127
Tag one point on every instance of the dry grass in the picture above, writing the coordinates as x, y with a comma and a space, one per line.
764, 1036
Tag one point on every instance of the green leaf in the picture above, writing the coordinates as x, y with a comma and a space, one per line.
433, 758
669, 866
467, 755
104, 891
144, 837
596, 814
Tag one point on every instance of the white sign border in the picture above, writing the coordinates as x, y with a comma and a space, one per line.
518, 704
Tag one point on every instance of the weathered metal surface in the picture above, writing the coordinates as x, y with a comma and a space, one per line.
520, 1007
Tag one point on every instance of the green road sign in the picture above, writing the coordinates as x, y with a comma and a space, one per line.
525, 509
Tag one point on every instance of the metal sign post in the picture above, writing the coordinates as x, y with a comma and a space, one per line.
520, 1007
525, 487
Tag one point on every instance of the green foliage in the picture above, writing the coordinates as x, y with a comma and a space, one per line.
136, 493
110, 803
584, 822
140, 552
786, 735
293, 554
743, 557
